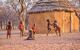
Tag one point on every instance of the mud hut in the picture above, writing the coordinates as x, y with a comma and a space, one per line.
60, 10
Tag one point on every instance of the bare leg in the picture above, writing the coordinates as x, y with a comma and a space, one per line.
10, 34
59, 32
58, 29
22, 32
48, 31
33, 35
7, 36
56, 32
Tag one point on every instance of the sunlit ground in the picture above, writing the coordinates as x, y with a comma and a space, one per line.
68, 41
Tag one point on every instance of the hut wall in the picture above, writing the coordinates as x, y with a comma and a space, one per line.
75, 23
66, 22
40, 21
62, 17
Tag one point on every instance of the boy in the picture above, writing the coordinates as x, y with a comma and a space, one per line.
8, 28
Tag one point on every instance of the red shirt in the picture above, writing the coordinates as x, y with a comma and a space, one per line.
21, 26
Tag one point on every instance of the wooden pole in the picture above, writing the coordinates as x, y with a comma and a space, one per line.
79, 24
70, 23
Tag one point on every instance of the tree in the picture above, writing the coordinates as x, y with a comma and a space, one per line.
8, 14
20, 6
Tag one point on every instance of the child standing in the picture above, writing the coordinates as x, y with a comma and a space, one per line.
48, 26
21, 28
8, 28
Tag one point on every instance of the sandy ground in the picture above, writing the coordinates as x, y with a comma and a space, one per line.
68, 41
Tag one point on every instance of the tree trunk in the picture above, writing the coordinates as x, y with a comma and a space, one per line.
22, 12
1, 25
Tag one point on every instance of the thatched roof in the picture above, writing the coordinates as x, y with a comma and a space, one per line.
77, 12
51, 5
